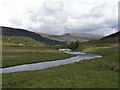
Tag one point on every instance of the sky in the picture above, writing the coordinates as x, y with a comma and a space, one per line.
61, 16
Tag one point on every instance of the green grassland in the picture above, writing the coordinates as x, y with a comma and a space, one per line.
24, 55
83, 74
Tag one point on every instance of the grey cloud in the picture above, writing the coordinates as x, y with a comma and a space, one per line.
59, 17
53, 5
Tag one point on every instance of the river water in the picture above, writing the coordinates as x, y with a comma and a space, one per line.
44, 65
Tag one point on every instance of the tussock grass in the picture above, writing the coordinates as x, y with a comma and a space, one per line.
113, 66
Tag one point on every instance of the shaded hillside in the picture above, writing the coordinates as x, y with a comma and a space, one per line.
111, 39
115, 35
82, 37
7, 31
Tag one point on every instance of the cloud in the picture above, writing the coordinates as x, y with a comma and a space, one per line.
53, 5
105, 32
61, 16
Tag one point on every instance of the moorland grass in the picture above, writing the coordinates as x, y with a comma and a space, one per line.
83, 74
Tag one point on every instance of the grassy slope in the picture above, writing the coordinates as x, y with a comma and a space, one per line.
21, 55
111, 40
83, 74
107, 42
21, 39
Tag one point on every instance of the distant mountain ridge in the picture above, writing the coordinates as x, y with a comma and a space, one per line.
60, 37
8, 31
82, 37
87, 36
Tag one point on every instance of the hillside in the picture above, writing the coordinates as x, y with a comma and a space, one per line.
111, 40
115, 35
82, 37
20, 40
20, 34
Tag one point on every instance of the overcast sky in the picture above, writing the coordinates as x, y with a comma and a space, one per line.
61, 16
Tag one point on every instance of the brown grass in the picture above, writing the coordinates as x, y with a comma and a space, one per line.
113, 66
29, 50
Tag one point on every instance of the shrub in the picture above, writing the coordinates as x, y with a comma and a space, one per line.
10, 44
74, 45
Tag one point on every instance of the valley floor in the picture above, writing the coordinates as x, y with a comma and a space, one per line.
94, 73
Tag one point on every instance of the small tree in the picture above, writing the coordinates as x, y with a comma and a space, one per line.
74, 45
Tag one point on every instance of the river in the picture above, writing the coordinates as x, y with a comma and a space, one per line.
48, 64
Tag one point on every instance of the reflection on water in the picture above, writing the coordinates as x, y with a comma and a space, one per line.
44, 65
